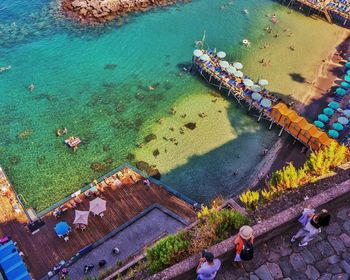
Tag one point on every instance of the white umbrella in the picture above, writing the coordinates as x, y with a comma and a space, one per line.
197, 53
81, 217
204, 57
231, 70
263, 83
256, 88
97, 206
266, 103
238, 65
346, 113
256, 96
248, 82
238, 74
224, 64
221, 54
343, 120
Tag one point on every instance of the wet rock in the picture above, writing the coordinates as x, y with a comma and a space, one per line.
155, 153
150, 137
191, 125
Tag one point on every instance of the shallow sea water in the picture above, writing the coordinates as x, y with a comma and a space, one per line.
112, 110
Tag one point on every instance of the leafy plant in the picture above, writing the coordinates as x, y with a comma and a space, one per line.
287, 178
267, 194
250, 199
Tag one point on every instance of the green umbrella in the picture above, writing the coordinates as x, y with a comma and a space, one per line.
345, 85
319, 124
323, 118
328, 111
348, 72
347, 79
349, 58
340, 91
347, 65
334, 105
332, 133
338, 126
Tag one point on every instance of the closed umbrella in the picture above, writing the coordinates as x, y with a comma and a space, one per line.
256, 96
231, 70
238, 74
238, 65
338, 126
347, 65
345, 85
323, 118
328, 111
266, 103
340, 91
62, 228
197, 53
204, 57
333, 105
263, 82
343, 120
81, 217
347, 78
248, 82
334, 134
221, 54
346, 113
97, 206
224, 64
256, 88
319, 124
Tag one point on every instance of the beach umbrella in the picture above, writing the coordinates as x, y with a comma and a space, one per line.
319, 124
197, 53
256, 96
62, 228
204, 57
266, 103
343, 120
328, 111
338, 126
323, 118
347, 72
349, 58
256, 88
263, 82
248, 82
347, 78
332, 133
97, 206
333, 105
345, 85
221, 54
238, 65
231, 70
347, 65
81, 217
238, 74
346, 113
224, 64
340, 91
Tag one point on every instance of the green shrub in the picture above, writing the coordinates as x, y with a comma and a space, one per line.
287, 178
169, 250
250, 199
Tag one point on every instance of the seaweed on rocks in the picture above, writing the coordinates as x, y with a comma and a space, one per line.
155, 153
25, 134
191, 125
150, 137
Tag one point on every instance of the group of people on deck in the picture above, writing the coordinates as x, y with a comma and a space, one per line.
311, 224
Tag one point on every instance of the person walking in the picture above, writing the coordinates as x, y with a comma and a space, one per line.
244, 246
311, 225
207, 267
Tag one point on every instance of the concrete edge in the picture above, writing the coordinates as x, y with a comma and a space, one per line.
262, 231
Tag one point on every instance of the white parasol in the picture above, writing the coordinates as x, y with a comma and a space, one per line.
238, 65
81, 217
221, 55
197, 53
97, 206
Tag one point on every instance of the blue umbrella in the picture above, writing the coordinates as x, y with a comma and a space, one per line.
347, 79
319, 124
340, 91
332, 133
334, 105
338, 126
328, 111
347, 65
345, 85
323, 118
62, 228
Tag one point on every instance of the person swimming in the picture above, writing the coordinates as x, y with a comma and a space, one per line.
274, 19
5, 68
31, 87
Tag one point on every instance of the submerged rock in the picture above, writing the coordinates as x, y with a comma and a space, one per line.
25, 134
191, 125
155, 153
110, 66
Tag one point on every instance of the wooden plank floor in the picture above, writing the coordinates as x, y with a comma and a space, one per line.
44, 249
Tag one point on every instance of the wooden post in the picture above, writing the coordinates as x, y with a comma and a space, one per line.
260, 116
228, 94
271, 125
220, 85
281, 131
210, 78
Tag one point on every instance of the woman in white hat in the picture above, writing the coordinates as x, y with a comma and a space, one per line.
244, 245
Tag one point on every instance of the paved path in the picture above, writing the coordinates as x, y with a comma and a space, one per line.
325, 258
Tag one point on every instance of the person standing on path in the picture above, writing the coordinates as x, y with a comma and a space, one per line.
207, 267
244, 245
311, 225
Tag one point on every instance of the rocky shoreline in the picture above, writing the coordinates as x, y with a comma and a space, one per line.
99, 11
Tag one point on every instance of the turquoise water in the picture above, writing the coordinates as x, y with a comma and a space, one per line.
111, 108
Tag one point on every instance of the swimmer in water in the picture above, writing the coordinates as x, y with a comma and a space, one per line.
274, 19
31, 87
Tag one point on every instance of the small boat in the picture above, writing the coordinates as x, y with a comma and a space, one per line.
72, 142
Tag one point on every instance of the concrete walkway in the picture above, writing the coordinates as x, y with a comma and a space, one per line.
325, 258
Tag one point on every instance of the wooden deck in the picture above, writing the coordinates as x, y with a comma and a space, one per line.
43, 250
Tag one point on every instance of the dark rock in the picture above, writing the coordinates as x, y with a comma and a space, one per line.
333, 229
325, 248
340, 276
334, 259
110, 66
308, 257
191, 125
155, 153
312, 273
263, 273
334, 269
130, 157
337, 244
326, 276
297, 261
150, 137
345, 266
346, 226
346, 239
275, 270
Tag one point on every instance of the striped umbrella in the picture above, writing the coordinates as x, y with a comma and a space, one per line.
328, 111
333, 105
319, 124
340, 91
338, 126
343, 120
345, 85
332, 133
347, 78
323, 118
